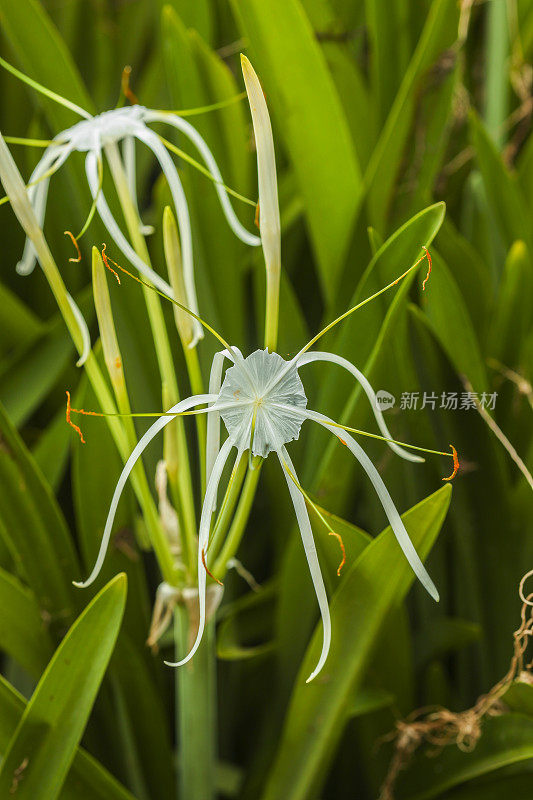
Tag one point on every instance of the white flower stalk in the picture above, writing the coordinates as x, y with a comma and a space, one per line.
269, 222
92, 136
262, 403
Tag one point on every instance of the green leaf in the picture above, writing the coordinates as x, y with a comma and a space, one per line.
245, 629
86, 780
311, 122
23, 634
25, 23
361, 338
519, 697
505, 740
18, 323
52, 724
438, 34
503, 192
513, 310
450, 321
376, 583
33, 527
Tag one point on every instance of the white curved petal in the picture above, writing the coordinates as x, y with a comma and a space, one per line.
144, 441
308, 541
307, 358
184, 222
84, 330
91, 169
213, 421
386, 501
203, 539
128, 154
37, 195
202, 147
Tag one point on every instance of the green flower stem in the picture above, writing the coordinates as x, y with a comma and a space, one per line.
227, 508
183, 489
196, 711
233, 539
272, 312
197, 387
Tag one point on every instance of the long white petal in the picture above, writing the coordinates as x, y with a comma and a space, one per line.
91, 169
307, 358
184, 222
84, 330
203, 539
144, 441
202, 147
388, 506
308, 541
38, 194
128, 154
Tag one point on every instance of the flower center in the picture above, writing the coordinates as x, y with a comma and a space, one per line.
111, 126
262, 412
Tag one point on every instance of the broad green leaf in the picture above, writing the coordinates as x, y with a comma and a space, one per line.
18, 323
34, 370
513, 310
52, 724
26, 23
505, 740
86, 780
378, 580
449, 319
23, 633
438, 34
519, 697
445, 636
503, 192
311, 122
33, 527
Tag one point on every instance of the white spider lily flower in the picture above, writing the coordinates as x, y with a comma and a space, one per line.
92, 136
262, 403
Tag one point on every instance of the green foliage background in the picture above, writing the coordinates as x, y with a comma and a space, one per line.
381, 110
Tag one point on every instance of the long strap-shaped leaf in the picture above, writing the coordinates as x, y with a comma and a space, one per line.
375, 584
44, 744
87, 778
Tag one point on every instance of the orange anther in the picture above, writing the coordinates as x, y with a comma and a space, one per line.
343, 550
256, 218
106, 261
72, 424
455, 465
342, 442
76, 245
118, 362
209, 571
428, 256
125, 86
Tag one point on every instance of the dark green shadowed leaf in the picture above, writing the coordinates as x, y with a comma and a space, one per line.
505, 199
86, 780
23, 633
505, 740
376, 583
33, 527
51, 727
